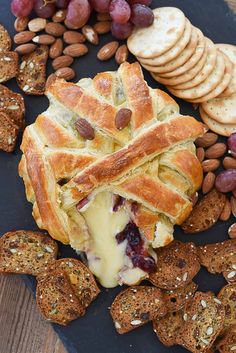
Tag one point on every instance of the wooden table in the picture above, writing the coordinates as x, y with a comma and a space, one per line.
22, 328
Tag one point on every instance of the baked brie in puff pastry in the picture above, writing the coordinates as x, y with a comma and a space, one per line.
109, 190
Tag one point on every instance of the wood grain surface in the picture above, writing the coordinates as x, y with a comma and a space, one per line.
22, 328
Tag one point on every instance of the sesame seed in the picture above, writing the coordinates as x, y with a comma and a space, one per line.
136, 322
22, 65
203, 303
185, 317
231, 274
194, 317
25, 88
6, 58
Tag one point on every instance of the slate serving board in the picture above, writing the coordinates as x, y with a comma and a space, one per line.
94, 332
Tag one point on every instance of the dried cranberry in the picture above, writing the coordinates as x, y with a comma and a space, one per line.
145, 263
117, 202
120, 237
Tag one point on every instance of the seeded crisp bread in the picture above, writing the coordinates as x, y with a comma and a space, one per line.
8, 133
5, 40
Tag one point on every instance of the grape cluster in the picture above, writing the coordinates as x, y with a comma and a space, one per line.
124, 14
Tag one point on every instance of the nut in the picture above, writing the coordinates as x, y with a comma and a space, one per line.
107, 51
21, 24
76, 50
232, 231
62, 61
122, 54
102, 27
90, 34
24, 37
207, 140
37, 24
233, 205
25, 49
59, 16
103, 17
65, 72
72, 37
55, 29
209, 165
216, 151
229, 163
225, 215
200, 153
85, 129
56, 49
51, 78
45, 39
208, 182
122, 118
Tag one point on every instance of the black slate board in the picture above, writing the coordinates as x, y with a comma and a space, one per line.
94, 332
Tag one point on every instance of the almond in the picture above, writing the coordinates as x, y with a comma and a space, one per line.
102, 27
37, 24
122, 118
62, 61
85, 129
45, 39
76, 50
90, 34
216, 151
56, 49
200, 153
65, 72
72, 37
55, 29
233, 205
225, 215
21, 24
122, 54
59, 16
229, 163
232, 231
209, 165
107, 51
24, 37
25, 49
51, 78
207, 140
208, 182
103, 17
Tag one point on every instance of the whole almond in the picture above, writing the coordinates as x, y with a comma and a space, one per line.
56, 49
65, 72
102, 27
45, 39
76, 50
122, 54
90, 34
25, 49
21, 24
62, 61
232, 231
200, 152
216, 151
24, 37
103, 17
122, 118
73, 37
229, 163
209, 165
59, 16
85, 129
55, 29
37, 24
225, 215
51, 78
107, 51
207, 140
233, 205
208, 182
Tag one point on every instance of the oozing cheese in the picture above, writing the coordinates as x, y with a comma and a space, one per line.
105, 256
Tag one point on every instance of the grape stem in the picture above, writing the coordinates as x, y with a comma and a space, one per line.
48, 2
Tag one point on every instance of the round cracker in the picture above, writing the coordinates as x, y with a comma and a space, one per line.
167, 28
223, 110
206, 86
218, 128
221, 86
170, 56
230, 51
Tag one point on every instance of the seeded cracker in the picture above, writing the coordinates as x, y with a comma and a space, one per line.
8, 65
228, 343
227, 296
26, 252
32, 72
167, 328
136, 306
177, 298
5, 40
8, 133
12, 104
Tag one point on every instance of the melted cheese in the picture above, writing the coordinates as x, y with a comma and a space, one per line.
105, 256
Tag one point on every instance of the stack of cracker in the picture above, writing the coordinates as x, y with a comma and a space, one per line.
192, 67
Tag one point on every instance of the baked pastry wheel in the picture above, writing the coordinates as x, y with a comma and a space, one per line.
110, 186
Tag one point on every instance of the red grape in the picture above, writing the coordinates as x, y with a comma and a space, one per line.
101, 6
44, 11
78, 13
62, 4
143, 2
121, 31
141, 15
232, 144
226, 180
21, 8
119, 11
